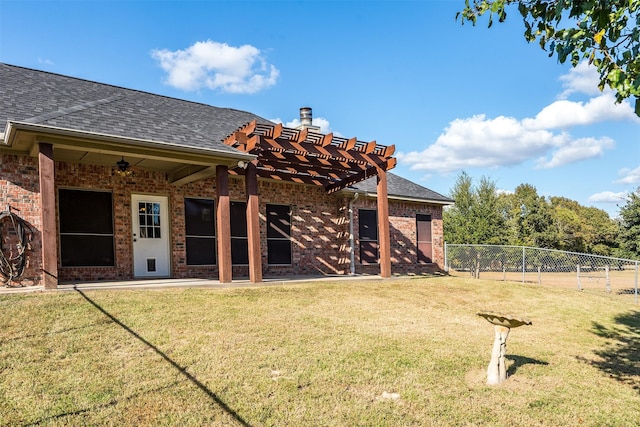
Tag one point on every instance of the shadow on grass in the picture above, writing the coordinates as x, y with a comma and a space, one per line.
45, 334
518, 361
100, 406
621, 356
182, 370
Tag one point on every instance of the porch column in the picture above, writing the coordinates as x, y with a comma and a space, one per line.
223, 224
384, 238
46, 173
253, 224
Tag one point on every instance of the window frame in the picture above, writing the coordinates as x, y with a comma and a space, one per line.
149, 220
275, 240
238, 239
71, 230
366, 242
195, 237
421, 257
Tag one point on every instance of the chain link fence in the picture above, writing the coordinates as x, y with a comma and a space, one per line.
585, 272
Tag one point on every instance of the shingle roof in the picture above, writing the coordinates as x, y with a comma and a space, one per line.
45, 98
398, 187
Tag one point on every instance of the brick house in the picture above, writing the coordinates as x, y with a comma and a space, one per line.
104, 183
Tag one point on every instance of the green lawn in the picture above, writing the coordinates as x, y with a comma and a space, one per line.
399, 352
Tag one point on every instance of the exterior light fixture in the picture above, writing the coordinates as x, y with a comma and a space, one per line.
123, 167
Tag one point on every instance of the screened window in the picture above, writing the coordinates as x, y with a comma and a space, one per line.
239, 240
200, 231
86, 228
278, 234
368, 235
425, 246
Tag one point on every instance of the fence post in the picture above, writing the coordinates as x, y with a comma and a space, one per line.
446, 266
539, 278
524, 265
607, 280
636, 282
579, 284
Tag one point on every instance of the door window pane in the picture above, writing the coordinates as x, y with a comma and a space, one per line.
368, 252
149, 217
425, 245
368, 235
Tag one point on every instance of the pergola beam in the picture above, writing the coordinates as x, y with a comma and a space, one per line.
307, 161
304, 156
370, 147
352, 179
329, 173
326, 140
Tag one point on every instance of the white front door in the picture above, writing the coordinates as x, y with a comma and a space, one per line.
150, 236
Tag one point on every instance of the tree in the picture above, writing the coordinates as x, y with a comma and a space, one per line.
583, 229
604, 32
530, 218
476, 217
629, 237
456, 229
600, 231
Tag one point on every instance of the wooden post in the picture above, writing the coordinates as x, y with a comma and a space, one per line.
253, 224
223, 223
384, 238
46, 167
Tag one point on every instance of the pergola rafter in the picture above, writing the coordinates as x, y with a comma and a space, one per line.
301, 155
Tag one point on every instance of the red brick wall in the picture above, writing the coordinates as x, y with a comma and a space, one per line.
319, 231
403, 237
320, 222
20, 190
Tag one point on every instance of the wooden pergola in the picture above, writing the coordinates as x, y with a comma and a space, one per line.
306, 157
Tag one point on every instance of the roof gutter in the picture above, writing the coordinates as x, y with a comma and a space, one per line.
13, 127
403, 198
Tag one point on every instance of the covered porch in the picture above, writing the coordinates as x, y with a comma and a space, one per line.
256, 150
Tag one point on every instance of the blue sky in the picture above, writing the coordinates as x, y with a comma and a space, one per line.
450, 97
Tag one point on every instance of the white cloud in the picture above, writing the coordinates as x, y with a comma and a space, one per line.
583, 78
503, 141
576, 150
483, 142
564, 114
629, 176
608, 197
217, 66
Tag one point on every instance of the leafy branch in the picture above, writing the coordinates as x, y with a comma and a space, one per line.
606, 33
